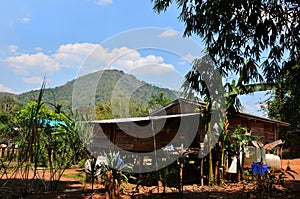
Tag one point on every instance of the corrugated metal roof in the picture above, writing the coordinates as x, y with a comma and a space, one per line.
178, 101
182, 100
148, 118
255, 117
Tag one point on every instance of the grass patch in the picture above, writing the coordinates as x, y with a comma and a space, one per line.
79, 176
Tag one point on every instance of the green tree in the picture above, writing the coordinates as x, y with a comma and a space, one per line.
284, 103
159, 100
103, 111
9, 106
235, 145
263, 32
240, 36
30, 121
6, 126
138, 109
195, 84
8, 103
121, 109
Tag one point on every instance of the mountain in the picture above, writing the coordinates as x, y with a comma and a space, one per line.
2, 94
99, 86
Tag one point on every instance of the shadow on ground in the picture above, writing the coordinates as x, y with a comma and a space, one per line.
18, 188
38, 189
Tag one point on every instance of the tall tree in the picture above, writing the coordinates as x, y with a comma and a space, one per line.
285, 102
103, 111
196, 84
263, 32
240, 36
158, 101
9, 105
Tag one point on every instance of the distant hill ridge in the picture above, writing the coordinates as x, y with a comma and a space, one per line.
106, 86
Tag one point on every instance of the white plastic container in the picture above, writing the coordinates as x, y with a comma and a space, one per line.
253, 154
273, 161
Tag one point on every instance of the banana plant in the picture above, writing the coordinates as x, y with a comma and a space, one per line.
195, 85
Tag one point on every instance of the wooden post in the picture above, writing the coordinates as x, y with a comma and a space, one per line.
180, 176
2, 150
181, 172
201, 172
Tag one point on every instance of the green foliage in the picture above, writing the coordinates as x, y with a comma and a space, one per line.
103, 111
266, 184
9, 106
58, 145
238, 138
46, 137
6, 126
236, 31
8, 103
25, 115
78, 176
121, 109
284, 105
158, 101
81, 163
138, 110
169, 175
106, 86
112, 173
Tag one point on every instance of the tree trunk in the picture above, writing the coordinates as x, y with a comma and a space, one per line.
201, 172
181, 176
242, 164
210, 158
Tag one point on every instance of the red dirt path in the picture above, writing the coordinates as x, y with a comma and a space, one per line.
72, 188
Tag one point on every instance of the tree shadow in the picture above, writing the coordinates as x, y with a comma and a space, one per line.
36, 188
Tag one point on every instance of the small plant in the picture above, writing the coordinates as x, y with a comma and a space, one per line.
81, 163
112, 176
288, 166
265, 184
93, 170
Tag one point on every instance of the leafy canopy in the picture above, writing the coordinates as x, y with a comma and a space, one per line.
158, 101
263, 32
285, 101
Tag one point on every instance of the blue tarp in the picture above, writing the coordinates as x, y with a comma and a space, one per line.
52, 123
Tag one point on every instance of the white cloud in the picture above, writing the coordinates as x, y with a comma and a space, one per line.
25, 20
39, 49
33, 80
102, 2
168, 33
125, 59
31, 63
5, 89
72, 55
90, 56
255, 109
13, 48
187, 59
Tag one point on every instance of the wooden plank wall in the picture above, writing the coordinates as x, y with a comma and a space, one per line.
266, 131
166, 131
139, 136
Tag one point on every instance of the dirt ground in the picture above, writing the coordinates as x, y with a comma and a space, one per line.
74, 187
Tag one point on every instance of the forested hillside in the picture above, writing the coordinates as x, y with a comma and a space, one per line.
106, 86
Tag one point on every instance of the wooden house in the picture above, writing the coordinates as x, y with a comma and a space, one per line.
178, 118
178, 124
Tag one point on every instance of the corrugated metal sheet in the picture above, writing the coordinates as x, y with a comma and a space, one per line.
137, 119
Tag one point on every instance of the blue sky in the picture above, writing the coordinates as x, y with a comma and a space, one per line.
55, 38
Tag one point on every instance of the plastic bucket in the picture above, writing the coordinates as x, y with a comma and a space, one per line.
255, 168
263, 169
